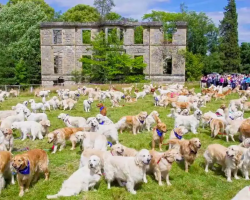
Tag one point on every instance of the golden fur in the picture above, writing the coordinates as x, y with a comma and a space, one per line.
217, 126
38, 161
163, 129
188, 149
245, 129
104, 110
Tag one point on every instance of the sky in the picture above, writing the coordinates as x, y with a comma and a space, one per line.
137, 8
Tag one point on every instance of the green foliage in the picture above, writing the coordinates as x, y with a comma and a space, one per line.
212, 63
76, 76
229, 39
49, 11
81, 13
86, 36
138, 35
109, 62
194, 65
20, 41
21, 72
104, 7
245, 57
112, 16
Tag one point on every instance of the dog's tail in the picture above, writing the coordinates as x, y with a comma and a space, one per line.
120, 123
172, 114
157, 119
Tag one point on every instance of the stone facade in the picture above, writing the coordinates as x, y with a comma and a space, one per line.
69, 48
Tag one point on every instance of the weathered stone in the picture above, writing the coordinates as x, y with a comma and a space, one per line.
153, 49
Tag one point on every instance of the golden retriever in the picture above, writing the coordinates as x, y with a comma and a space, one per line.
28, 166
188, 149
217, 126
159, 132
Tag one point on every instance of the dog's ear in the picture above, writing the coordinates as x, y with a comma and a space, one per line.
137, 160
25, 160
192, 146
168, 155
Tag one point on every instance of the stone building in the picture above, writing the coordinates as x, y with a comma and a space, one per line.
62, 45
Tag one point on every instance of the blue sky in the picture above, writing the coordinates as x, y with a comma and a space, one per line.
136, 9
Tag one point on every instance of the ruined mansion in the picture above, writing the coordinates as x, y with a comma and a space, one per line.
63, 44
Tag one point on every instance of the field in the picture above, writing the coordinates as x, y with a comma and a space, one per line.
189, 186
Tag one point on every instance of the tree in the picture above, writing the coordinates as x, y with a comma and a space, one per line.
110, 62
245, 57
229, 39
104, 7
81, 13
112, 16
20, 42
212, 63
49, 11
76, 76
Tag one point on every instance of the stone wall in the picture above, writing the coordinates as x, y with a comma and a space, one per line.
72, 49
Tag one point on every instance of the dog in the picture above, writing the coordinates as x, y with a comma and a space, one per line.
81, 180
140, 94
103, 109
103, 120
217, 126
8, 140
35, 106
19, 117
60, 136
131, 170
177, 133
152, 118
37, 117
233, 128
71, 121
133, 122
87, 104
188, 149
191, 122
27, 127
159, 132
5, 169
229, 158
161, 164
92, 140
128, 89
28, 166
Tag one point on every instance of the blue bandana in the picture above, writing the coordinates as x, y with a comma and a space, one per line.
101, 123
156, 99
77, 95
101, 108
110, 144
26, 170
178, 136
141, 121
231, 118
123, 96
159, 132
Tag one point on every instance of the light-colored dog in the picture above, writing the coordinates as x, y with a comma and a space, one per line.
71, 121
83, 179
87, 104
131, 170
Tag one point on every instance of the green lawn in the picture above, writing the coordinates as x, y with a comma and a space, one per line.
193, 185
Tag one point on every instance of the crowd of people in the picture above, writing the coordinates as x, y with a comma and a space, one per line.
233, 80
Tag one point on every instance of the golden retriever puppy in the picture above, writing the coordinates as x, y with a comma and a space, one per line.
5, 169
161, 164
159, 132
177, 133
188, 149
29, 165
229, 158
59, 137
217, 126
133, 122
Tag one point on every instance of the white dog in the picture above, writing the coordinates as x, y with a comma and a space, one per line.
81, 180
29, 127
19, 117
131, 170
191, 122
150, 120
140, 94
35, 106
37, 117
72, 121
92, 140
103, 120
87, 104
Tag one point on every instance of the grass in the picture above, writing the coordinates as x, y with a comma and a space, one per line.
193, 185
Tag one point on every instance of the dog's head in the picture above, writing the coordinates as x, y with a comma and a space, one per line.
194, 144
246, 143
52, 136
25, 103
62, 116
198, 114
14, 125
80, 136
8, 133
90, 100
142, 116
162, 127
233, 151
143, 157
181, 130
99, 105
117, 150
94, 162
155, 113
31, 101
45, 123
223, 106
173, 155
19, 162
94, 122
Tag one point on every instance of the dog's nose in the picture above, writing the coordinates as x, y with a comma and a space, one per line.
91, 165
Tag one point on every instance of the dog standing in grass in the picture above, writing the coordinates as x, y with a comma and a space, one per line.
103, 110
159, 132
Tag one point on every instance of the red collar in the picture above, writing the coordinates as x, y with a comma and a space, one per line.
165, 159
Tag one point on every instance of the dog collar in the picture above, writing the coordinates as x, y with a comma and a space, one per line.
231, 118
26, 170
141, 121
101, 108
178, 136
159, 133
210, 120
89, 102
101, 123
166, 160
218, 114
156, 99
194, 152
110, 145
123, 96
